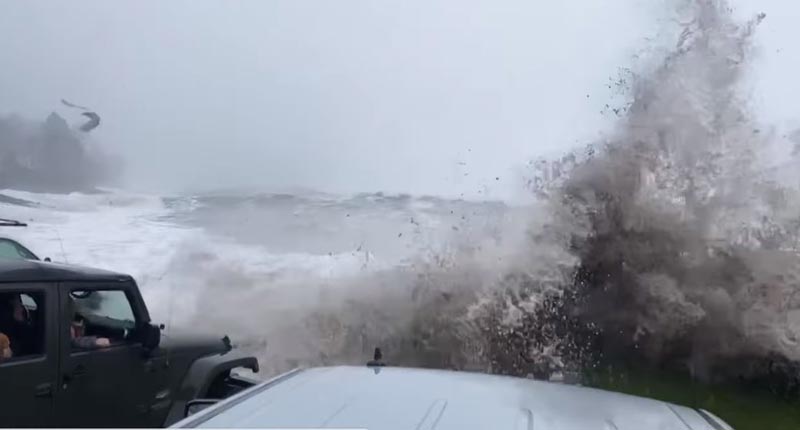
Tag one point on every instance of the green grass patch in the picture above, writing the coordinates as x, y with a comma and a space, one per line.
744, 409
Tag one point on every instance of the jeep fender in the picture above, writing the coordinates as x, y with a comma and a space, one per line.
200, 376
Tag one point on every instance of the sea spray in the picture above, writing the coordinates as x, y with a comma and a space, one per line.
667, 243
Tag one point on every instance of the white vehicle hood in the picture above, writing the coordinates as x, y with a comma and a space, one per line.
390, 398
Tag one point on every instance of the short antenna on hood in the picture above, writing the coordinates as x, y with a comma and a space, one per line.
377, 359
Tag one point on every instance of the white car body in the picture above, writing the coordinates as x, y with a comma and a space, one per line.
388, 398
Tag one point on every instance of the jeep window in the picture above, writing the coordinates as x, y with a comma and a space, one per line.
103, 313
13, 250
21, 325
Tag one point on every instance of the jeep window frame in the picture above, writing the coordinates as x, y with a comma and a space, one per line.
49, 323
128, 287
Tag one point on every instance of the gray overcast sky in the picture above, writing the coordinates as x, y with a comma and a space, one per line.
344, 96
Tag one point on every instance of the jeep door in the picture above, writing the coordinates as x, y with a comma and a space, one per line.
28, 377
109, 386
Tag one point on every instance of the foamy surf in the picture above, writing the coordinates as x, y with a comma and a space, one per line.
141, 235
256, 280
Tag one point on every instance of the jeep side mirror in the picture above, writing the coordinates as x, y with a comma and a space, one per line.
151, 337
197, 405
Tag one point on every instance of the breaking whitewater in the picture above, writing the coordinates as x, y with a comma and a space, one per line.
670, 243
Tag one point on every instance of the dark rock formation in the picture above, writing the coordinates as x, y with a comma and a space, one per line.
47, 157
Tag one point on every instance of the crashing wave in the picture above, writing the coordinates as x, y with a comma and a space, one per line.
666, 243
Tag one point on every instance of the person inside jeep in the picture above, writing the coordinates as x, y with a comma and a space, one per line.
80, 340
5, 347
16, 326
77, 331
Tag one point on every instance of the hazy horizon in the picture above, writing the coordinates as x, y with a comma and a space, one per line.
449, 99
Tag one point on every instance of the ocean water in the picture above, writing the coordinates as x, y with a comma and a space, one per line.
238, 264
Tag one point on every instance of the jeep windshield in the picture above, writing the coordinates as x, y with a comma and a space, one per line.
14, 250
